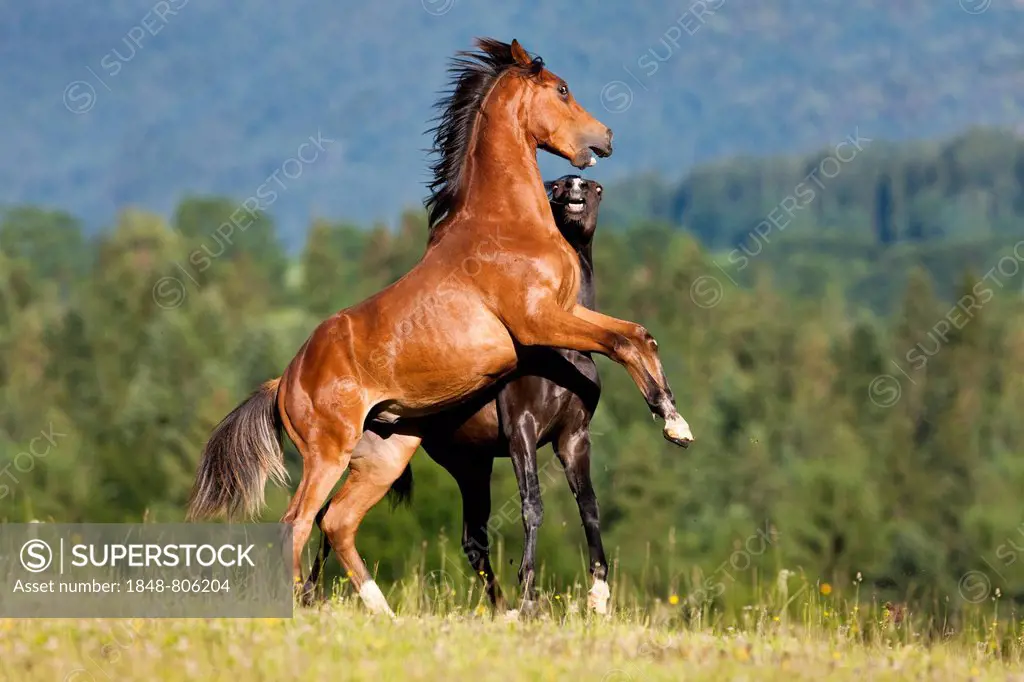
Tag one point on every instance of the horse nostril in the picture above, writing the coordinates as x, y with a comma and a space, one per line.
609, 136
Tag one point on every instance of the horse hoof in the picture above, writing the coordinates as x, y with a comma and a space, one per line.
678, 431
374, 600
512, 615
597, 598
305, 593
529, 609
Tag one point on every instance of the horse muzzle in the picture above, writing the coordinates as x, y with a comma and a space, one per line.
592, 148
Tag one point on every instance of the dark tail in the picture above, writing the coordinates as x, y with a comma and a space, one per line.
401, 490
243, 451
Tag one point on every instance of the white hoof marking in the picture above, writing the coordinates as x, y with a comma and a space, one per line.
676, 428
374, 599
598, 597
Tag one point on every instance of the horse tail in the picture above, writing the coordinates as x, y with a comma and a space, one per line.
242, 452
400, 493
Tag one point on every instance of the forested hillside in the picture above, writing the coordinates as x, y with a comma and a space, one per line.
855, 396
112, 103
875, 207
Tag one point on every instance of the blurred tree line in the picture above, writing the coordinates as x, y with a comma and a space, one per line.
818, 426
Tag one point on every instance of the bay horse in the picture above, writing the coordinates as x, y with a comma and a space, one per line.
551, 399
496, 276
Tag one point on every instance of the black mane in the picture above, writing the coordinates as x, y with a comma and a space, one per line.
472, 75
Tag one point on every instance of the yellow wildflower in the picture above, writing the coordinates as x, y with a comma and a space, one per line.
826, 589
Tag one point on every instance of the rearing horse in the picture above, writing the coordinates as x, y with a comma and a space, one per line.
550, 399
496, 274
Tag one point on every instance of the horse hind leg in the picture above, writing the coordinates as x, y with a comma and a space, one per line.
326, 448
523, 452
309, 589
376, 464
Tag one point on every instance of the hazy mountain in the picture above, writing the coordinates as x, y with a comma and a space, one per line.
199, 96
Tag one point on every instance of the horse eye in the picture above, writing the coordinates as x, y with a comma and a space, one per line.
563, 90
599, 189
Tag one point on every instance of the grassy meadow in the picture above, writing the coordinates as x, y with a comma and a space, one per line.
794, 630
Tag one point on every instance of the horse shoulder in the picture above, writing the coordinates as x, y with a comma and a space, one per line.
554, 273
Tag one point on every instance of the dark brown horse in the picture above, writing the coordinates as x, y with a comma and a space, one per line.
497, 276
551, 400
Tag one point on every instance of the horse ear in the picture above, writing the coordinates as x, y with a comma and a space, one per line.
519, 54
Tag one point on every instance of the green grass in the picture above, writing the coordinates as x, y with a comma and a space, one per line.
445, 633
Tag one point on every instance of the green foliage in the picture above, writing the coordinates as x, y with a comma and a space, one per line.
879, 208
855, 394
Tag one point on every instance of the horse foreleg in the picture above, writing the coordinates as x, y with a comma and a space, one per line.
472, 471
586, 331
573, 450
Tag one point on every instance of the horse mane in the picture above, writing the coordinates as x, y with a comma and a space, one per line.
472, 74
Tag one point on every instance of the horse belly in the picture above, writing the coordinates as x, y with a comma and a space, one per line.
460, 360
481, 428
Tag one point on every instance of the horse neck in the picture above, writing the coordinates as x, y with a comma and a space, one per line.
587, 296
502, 175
